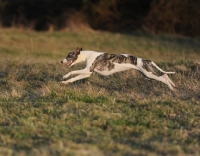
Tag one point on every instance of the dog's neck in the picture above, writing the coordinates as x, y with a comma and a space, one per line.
86, 56
82, 57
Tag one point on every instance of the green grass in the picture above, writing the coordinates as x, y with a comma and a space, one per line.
122, 114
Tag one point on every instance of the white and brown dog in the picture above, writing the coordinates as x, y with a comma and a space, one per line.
107, 64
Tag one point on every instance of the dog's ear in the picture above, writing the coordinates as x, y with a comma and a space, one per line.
81, 49
78, 50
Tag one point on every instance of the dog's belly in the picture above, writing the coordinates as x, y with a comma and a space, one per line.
117, 68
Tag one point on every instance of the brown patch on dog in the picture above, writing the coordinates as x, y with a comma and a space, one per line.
106, 61
147, 66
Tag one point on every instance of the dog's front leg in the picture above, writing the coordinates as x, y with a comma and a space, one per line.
83, 71
82, 76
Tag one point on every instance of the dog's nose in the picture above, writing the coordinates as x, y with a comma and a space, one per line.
61, 61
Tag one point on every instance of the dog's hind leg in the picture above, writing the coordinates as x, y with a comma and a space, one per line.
79, 77
170, 81
164, 78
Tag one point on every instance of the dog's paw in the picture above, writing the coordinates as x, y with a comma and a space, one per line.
63, 83
65, 76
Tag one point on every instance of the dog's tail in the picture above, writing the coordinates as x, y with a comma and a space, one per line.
161, 69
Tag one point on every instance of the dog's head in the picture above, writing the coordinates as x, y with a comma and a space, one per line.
71, 57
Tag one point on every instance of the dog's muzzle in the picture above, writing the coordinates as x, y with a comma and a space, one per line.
67, 63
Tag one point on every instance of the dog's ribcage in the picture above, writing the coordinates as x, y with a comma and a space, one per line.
106, 61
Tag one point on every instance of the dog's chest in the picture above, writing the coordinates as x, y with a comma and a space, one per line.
107, 61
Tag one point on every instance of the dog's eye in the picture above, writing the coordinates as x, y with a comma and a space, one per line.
70, 54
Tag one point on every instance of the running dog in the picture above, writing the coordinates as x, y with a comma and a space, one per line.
107, 64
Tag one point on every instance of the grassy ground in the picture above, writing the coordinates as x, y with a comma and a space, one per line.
123, 114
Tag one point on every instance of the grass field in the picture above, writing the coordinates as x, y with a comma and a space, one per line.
122, 114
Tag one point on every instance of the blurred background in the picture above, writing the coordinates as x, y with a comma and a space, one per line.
153, 16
